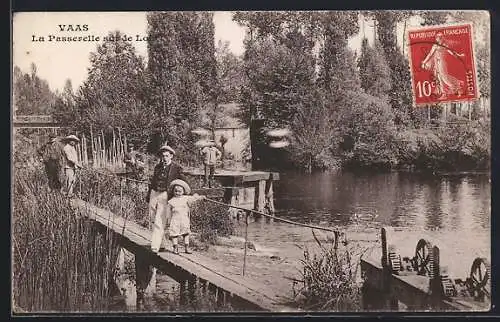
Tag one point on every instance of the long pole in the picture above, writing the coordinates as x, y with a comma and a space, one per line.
246, 240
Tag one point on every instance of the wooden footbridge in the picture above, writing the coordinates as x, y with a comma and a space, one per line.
188, 269
394, 274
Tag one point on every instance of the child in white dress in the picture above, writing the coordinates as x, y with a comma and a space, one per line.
178, 211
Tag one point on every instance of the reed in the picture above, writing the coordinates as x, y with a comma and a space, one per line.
329, 279
61, 262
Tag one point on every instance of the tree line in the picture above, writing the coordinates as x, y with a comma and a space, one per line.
344, 108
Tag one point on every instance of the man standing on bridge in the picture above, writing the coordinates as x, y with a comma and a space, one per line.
211, 155
164, 173
71, 164
52, 156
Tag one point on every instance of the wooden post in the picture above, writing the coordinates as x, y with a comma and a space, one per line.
270, 197
386, 294
231, 195
187, 290
435, 282
261, 195
246, 242
120, 261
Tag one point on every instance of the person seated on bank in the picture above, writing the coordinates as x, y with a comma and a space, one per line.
134, 162
178, 211
211, 155
163, 174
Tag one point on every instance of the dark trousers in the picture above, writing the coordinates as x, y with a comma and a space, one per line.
52, 170
209, 174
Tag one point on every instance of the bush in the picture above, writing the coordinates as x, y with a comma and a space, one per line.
210, 220
367, 130
451, 148
329, 280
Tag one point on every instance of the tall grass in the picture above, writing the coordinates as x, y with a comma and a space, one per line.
60, 261
329, 278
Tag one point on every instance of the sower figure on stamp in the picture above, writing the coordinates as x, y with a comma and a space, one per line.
71, 164
436, 61
52, 156
210, 155
164, 173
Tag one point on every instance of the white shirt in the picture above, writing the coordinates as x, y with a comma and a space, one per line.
71, 156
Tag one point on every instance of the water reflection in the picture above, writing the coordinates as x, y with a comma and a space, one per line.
450, 202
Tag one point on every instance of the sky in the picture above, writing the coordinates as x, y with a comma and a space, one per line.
58, 61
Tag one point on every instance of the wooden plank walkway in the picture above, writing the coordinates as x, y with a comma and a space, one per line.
242, 290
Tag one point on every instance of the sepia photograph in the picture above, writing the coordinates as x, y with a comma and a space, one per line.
250, 161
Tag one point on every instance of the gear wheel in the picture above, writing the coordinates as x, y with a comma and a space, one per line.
395, 262
480, 278
424, 258
449, 289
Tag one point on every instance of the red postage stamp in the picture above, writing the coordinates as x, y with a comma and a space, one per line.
442, 64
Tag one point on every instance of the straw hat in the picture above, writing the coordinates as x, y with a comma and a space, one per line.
72, 138
182, 183
167, 148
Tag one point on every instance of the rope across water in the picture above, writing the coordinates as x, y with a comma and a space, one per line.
236, 207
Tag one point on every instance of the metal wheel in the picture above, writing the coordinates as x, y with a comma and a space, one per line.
448, 287
424, 259
395, 262
480, 274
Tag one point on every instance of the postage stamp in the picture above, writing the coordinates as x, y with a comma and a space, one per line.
442, 64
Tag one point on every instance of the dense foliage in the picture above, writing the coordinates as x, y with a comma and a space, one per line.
298, 71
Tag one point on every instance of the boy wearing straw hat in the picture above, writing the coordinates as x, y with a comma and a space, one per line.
71, 164
163, 174
178, 210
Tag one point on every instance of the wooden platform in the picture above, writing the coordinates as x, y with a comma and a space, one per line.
236, 177
247, 189
241, 291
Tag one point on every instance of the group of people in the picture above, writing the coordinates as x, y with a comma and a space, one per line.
169, 194
170, 201
170, 197
61, 162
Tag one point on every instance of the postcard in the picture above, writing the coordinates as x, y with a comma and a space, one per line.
251, 161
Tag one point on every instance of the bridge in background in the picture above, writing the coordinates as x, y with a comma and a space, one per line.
35, 121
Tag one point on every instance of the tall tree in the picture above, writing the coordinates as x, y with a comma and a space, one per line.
337, 63
32, 95
115, 87
400, 93
229, 73
182, 71
374, 71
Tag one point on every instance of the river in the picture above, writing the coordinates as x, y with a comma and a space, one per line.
451, 202
455, 207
